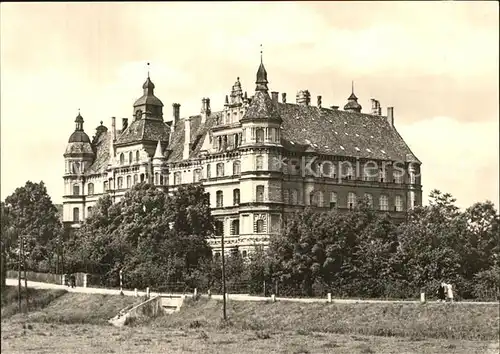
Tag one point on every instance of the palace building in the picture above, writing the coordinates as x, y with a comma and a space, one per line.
259, 158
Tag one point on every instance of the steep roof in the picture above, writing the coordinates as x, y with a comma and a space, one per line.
102, 153
336, 132
145, 129
198, 133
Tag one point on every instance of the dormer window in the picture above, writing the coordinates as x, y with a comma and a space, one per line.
138, 114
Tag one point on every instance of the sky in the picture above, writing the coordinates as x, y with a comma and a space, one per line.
436, 63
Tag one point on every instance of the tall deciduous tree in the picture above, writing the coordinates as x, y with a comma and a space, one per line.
152, 237
35, 218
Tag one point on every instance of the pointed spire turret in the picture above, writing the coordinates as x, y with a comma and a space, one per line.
158, 153
261, 81
352, 102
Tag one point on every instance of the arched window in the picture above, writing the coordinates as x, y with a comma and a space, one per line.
136, 178
333, 199
384, 203
130, 158
259, 226
397, 175
220, 169
235, 227
137, 156
76, 167
122, 158
76, 214
351, 200
143, 177
209, 171
236, 140
219, 202
398, 203
105, 186
369, 199
259, 135
177, 178
90, 189
129, 181
259, 162
89, 211
244, 254
157, 178
236, 168
76, 189
260, 193
196, 175
313, 198
236, 196
119, 182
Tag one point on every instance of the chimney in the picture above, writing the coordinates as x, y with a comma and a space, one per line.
283, 97
374, 106
390, 115
176, 112
303, 97
205, 109
335, 108
187, 139
113, 138
379, 109
113, 128
319, 101
124, 123
274, 96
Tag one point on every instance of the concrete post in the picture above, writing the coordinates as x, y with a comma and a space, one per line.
195, 293
135, 292
209, 294
147, 292
227, 296
63, 279
85, 280
422, 297
329, 297
273, 298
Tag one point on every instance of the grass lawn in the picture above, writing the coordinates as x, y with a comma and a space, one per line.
78, 325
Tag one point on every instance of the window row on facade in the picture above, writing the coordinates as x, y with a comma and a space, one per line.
132, 157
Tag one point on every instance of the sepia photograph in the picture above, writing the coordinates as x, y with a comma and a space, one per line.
250, 177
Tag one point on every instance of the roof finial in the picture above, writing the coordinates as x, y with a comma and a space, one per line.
261, 53
352, 86
148, 70
78, 111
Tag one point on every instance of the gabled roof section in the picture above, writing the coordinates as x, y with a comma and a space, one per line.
335, 132
198, 134
144, 130
101, 161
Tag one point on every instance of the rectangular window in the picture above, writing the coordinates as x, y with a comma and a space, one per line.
260, 193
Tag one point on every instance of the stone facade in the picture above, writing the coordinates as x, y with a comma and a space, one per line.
259, 159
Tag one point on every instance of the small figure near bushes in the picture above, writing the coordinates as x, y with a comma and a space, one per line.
442, 292
73, 280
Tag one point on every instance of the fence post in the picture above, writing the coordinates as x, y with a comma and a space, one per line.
195, 293
227, 296
264, 288
135, 292
273, 298
329, 297
422, 297
84, 280
209, 294
63, 279
147, 292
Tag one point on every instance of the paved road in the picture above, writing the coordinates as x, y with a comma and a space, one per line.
233, 297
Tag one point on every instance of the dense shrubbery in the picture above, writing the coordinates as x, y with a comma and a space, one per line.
365, 254
158, 240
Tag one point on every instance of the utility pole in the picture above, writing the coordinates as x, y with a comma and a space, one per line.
25, 278
224, 314
19, 274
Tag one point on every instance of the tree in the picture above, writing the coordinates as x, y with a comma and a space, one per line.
152, 237
35, 219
